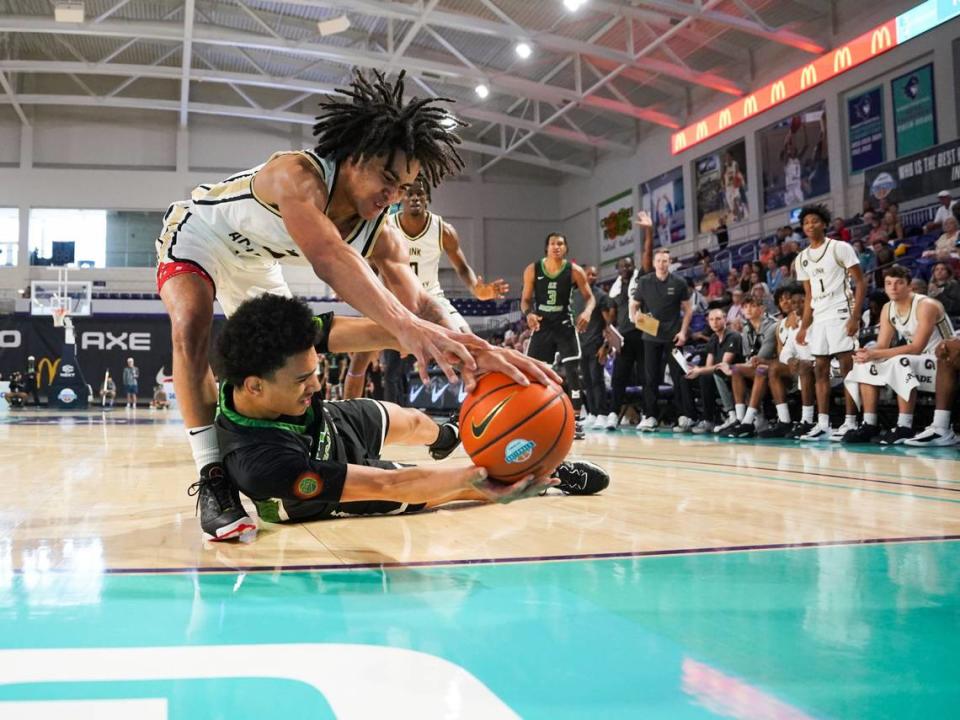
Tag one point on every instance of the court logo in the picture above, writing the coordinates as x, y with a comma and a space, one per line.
842, 59
519, 450
750, 106
702, 130
880, 40
308, 485
808, 77
778, 92
726, 118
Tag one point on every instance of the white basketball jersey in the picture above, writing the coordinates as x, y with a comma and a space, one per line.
253, 228
907, 326
826, 269
425, 251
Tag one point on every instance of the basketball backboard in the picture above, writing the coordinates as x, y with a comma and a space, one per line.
74, 296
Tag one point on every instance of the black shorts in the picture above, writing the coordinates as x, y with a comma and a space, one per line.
553, 338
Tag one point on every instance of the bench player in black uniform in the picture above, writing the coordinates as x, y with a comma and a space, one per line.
300, 458
545, 302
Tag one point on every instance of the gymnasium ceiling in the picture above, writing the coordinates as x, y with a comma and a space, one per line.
597, 80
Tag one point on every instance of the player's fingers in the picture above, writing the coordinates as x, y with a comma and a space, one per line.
469, 379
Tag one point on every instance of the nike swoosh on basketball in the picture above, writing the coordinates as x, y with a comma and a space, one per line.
478, 430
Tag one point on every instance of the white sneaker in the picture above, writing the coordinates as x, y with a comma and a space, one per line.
933, 437
611, 421
599, 422
729, 422
837, 435
588, 421
647, 424
684, 424
703, 427
816, 434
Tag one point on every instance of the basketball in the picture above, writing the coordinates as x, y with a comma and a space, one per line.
514, 431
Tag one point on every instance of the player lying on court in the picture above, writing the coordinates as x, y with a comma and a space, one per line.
299, 458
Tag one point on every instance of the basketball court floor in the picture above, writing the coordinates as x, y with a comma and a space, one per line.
714, 578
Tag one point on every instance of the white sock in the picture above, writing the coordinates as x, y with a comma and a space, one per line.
749, 416
783, 412
850, 420
905, 420
204, 445
807, 416
870, 418
823, 420
740, 410
941, 419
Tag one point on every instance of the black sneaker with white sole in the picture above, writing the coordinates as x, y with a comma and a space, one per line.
581, 478
778, 429
896, 436
800, 429
744, 430
863, 434
448, 439
222, 516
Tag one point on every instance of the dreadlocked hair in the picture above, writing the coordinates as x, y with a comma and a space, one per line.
377, 122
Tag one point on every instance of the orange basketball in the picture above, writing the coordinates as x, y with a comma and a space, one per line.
514, 431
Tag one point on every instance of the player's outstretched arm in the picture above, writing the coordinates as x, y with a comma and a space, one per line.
482, 291
646, 254
526, 299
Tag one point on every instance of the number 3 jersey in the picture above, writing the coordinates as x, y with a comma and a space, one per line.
826, 268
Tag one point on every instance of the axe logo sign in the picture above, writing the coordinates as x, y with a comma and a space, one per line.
10, 338
137, 341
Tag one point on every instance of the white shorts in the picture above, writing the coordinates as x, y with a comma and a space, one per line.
235, 277
829, 337
791, 350
451, 313
902, 374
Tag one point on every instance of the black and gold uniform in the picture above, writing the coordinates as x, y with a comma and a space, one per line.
552, 303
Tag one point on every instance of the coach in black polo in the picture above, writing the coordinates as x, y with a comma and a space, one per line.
666, 297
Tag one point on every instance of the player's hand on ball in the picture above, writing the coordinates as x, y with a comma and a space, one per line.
516, 366
508, 492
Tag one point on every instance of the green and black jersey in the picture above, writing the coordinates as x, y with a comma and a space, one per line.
552, 292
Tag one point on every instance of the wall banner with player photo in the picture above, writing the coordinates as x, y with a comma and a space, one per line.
662, 199
720, 180
865, 135
914, 111
617, 236
794, 157
922, 174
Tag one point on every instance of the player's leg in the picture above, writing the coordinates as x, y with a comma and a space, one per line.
940, 432
588, 358
746, 416
751, 416
821, 374
870, 429
392, 376
778, 374
355, 382
903, 430
682, 397
845, 359
630, 357
568, 345
654, 357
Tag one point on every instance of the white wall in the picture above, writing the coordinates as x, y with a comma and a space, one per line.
615, 174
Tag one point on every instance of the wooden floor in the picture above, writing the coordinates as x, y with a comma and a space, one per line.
114, 484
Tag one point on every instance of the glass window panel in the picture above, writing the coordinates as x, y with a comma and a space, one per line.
9, 236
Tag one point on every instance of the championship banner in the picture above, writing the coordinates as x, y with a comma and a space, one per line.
720, 180
865, 136
914, 111
795, 160
617, 236
919, 175
662, 199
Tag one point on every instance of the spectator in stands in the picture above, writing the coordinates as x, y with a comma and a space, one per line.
720, 232
874, 230
891, 226
866, 208
733, 280
920, 321
762, 295
662, 308
940, 432
884, 255
766, 251
108, 391
946, 244
735, 311
775, 274
698, 299
791, 248
945, 288
919, 286
715, 287
868, 261
723, 348
943, 212
759, 349
591, 340
839, 230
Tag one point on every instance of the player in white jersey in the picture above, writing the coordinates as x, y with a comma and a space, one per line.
423, 238
831, 313
906, 369
323, 208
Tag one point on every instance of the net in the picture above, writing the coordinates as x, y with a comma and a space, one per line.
59, 314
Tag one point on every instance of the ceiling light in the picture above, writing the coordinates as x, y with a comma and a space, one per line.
482, 91
69, 11
333, 26
523, 50
574, 5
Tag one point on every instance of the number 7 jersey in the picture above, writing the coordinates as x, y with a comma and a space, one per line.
826, 268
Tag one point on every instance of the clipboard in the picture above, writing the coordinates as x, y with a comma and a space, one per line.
613, 337
647, 323
681, 361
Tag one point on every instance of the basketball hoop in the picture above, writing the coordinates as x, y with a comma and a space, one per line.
59, 315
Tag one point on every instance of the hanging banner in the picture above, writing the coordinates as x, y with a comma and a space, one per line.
914, 111
720, 180
920, 175
865, 137
662, 199
617, 236
796, 165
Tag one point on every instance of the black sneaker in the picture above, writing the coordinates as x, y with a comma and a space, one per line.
800, 429
744, 430
578, 433
447, 440
778, 429
581, 478
897, 436
731, 431
222, 516
863, 434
